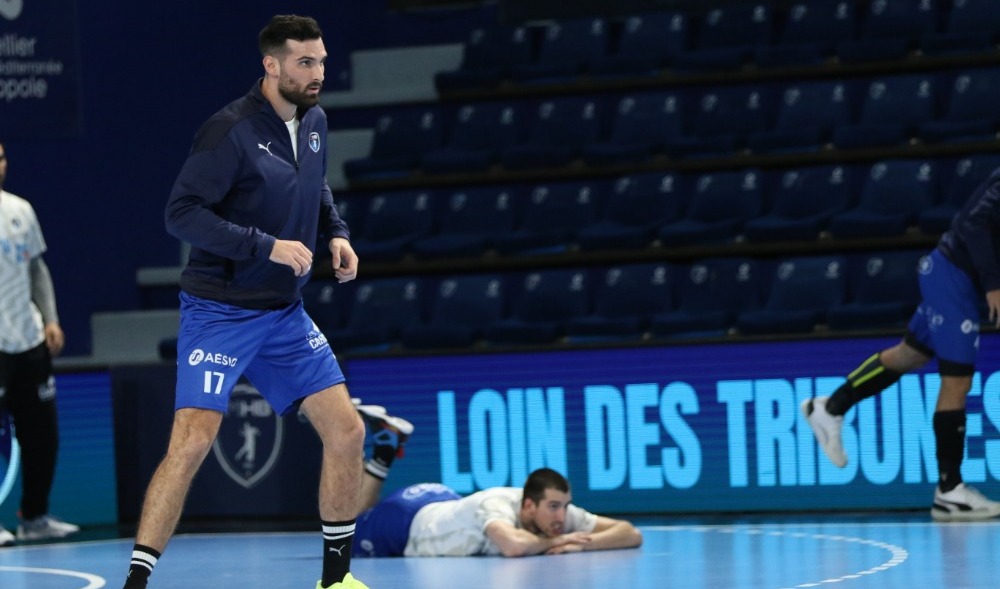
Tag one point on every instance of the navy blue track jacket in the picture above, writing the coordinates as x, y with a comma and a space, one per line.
973, 240
239, 190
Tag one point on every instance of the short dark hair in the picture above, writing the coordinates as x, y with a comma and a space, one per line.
283, 27
542, 479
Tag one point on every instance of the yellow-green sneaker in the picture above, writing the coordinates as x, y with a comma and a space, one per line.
349, 582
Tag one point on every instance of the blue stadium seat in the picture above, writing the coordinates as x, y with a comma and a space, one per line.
971, 113
807, 115
468, 221
401, 138
626, 299
800, 294
328, 303
891, 113
882, 291
721, 202
480, 132
802, 203
352, 209
557, 134
972, 26
727, 37
642, 126
393, 221
646, 44
721, 121
890, 29
636, 206
460, 312
382, 309
967, 174
565, 51
487, 58
710, 294
811, 32
541, 306
552, 217
894, 193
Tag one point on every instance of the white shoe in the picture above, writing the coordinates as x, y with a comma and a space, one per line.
826, 428
45, 527
6, 538
963, 503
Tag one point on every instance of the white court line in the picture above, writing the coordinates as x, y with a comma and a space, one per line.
899, 554
93, 581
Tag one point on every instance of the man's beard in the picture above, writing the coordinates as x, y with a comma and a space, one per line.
297, 97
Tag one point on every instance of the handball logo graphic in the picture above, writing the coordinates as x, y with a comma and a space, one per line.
250, 438
11, 9
10, 456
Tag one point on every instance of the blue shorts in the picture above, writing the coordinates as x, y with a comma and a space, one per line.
947, 320
281, 352
384, 529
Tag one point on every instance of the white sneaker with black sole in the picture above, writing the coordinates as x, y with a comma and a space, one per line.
45, 527
6, 538
963, 503
826, 428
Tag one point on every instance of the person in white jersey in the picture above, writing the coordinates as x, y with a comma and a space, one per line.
430, 519
29, 337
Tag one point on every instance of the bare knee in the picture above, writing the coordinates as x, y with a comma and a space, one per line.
192, 436
903, 358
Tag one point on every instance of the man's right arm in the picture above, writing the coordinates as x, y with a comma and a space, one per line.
514, 542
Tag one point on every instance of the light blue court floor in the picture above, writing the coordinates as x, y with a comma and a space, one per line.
897, 551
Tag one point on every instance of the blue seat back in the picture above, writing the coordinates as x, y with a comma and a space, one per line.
636, 290
808, 284
574, 42
902, 100
973, 96
552, 296
899, 19
806, 192
643, 200
487, 127
885, 277
488, 210
386, 304
407, 133
474, 300
660, 35
731, 285
737, 25
397, 214
819, 21
822, 105
735, 111
966, 175
973, 16
648, 119
720, 196
566, 122
497, 48
904, 187
567, 206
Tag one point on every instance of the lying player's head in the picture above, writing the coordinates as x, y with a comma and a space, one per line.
543, 506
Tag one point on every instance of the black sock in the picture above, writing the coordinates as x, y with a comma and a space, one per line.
949, 432
867, 380
338, 540
143, 560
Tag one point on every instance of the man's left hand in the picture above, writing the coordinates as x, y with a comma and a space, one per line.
54, 338
345, 261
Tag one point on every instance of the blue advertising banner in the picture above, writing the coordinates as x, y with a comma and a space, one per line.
84, 487
39, 69
687, 428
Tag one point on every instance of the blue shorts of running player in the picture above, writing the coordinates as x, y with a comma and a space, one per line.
946, 323
281, 352
384, 529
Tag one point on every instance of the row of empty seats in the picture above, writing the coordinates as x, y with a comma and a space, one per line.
765, 118
707, 298
725, 38
886, 199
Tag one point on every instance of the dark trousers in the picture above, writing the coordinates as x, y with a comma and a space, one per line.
29, 398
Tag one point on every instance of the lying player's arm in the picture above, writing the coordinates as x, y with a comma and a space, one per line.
610, 534
517, 542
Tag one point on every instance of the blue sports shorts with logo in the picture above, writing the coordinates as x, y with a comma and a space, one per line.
947, 320
385, 529
281, 352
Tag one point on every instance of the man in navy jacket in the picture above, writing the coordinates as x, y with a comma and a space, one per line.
253, 202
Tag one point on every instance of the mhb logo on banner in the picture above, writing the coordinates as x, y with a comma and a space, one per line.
250, 439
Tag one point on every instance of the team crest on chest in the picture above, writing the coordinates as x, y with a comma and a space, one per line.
314, 142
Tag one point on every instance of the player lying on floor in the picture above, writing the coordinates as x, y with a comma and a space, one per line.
430, 519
